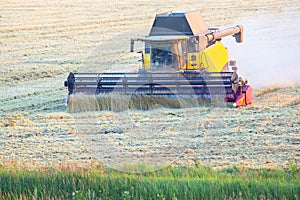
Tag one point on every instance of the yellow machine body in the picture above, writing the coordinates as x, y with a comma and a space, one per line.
214, 58
146, 61
211, 59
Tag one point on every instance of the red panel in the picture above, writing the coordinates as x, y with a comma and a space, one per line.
244, 98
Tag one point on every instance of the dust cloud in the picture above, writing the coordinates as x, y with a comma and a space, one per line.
270, 53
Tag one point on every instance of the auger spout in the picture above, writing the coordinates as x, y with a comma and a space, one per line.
236, 31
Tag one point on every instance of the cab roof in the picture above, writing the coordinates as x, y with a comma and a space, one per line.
178, 23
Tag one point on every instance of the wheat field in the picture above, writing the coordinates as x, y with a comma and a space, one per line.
42, 41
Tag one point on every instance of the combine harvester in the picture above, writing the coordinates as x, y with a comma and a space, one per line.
182, 58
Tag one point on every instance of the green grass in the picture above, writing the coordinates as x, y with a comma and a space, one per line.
196, 182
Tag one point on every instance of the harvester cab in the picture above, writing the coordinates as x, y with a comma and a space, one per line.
181, 58
181, 41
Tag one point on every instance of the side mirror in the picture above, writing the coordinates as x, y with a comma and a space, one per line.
132, 45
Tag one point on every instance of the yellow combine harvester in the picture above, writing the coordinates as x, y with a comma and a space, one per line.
182, 58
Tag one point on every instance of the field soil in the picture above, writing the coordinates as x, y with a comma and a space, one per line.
42, 41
